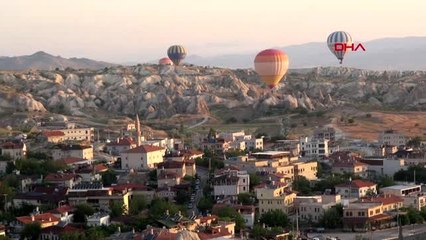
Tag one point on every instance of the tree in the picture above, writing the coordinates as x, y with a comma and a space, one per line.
182, 197
254, 180
414, 215
81, 213
332, 217
153, 175
137, 204
117, 209
258, 231
275, 218
160, 206
386, 181
231, 213
302, 185
246, 198
109, 177
414, 142
31, 231
205, 204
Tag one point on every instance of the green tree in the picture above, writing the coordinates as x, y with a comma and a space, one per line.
31, 231
414, 142
414, 215
254, 180
137, 204
159, 207
153, 175
109, 177
205, 204
258, 231
246, 198
302, 185
332, 217
231, 213
182, 197
117, 209
275, 218
386, 181
81, 213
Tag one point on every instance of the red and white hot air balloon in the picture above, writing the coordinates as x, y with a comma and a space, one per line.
271, 65
165, 61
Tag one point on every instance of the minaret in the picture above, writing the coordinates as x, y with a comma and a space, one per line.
138, 131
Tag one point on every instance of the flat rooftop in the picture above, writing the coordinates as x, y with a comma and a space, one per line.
401, 187
362, 205
271, 153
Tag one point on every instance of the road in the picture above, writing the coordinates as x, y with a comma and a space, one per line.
205, 119
203, 173
391, 233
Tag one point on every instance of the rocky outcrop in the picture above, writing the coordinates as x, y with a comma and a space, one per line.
161, 92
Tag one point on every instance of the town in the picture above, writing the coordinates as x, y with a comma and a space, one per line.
62, 181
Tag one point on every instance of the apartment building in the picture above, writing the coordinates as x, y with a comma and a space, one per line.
273, 196
356, 189
230, 183
392, 137
142, 157
314, 148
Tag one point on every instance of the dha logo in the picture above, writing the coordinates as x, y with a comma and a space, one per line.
344, 47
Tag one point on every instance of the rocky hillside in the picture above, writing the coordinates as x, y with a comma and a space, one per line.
161, 92
45, 61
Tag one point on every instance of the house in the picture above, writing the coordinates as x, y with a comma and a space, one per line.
41, 196
44, 219
136, 190
351, 167
230, 183
69, 134
389, 202
218, 145
174, 167
382, 166
61, 151
142, 157
98, 219
273, 196
55, 232
246, 211
314, 148
306, 169
312, 208
74, 162
62, 179
356, 189
65, 213
392, 137
401, 190
120, 145
14, 150
168, 179
415, 200
360, 216
97, 196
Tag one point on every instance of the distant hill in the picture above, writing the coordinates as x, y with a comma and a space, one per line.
407, 53
44, 61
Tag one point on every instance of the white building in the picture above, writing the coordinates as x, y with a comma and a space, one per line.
142, 157
312, 147
401, 190
231, 183
392, 137
356, 189
98, 219
384, 166
312, 208
240, 140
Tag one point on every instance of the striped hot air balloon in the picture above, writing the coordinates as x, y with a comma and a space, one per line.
165, 61
176, 53
339, 37
271, 65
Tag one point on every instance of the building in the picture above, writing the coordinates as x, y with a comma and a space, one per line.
98, 219
65, 213
401, 190
392, 137
327, 133
314, 148
273, 196
69, 134
361, 216
44, 219
166, 179
62, 179
14, 150
41, 196
415, 200
356, 189
230, 183
312, 208
306, 169
120, 145
218, 145
389, 202
142, 157
97, 196
381, 166
56, 232
61, 151
351, 167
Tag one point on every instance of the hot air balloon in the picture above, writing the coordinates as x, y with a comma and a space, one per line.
165, 61
271, 65
342, 38
176, 53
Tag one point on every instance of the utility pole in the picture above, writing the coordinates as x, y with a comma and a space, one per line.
297, 223
414, 176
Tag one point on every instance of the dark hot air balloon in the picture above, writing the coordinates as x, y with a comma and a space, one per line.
176, 53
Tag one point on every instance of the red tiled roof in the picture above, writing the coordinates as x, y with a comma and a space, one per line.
72, 160
144, 149
170, 164
385, 200
41, 218
357, 184
101, 168
127, 186
349, 164
63, 209
11, 145
219, 232
57, 230
56, 177
53, 133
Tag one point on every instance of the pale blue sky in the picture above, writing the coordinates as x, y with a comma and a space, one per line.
138, 30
